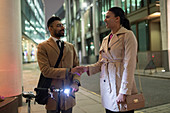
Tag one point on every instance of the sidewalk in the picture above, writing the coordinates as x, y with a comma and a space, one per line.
152, 73
87, 101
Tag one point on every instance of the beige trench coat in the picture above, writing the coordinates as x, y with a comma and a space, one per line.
48, 53
117, 63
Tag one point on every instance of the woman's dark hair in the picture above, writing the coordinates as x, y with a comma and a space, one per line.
123, 20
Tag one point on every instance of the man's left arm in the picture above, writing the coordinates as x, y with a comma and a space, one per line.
76, 78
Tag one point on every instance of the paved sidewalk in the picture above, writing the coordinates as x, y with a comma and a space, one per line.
87, 101
152, 73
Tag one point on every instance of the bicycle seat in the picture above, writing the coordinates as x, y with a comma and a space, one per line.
28, 95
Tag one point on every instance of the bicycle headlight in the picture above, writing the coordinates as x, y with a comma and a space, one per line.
67, 91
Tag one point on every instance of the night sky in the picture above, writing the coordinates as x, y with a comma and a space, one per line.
51, 7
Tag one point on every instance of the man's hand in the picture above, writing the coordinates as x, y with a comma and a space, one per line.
83, 69
79, 70
86, 69
74, 87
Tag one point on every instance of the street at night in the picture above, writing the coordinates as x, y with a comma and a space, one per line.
156, 90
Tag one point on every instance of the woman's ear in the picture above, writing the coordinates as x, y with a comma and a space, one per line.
117, 19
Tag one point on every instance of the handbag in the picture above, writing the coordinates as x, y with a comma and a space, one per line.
136, 101
45, 83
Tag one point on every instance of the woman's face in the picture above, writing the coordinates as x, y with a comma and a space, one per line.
111, 21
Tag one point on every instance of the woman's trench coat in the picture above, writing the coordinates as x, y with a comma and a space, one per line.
117, 63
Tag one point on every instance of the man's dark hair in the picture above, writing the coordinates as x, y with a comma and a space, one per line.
52, 19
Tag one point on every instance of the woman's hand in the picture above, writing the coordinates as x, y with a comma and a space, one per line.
121, 98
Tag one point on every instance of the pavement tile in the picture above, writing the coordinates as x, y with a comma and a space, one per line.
95, 108
77, 109
86, 102
80, 96
91, 95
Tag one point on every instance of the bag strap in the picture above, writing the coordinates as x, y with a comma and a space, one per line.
140, 84
61, 55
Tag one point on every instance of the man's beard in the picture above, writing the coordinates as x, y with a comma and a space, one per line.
59, 34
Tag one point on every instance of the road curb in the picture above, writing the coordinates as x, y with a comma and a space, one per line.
90, 91
155, 76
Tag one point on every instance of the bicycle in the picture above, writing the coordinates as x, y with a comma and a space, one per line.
30, 95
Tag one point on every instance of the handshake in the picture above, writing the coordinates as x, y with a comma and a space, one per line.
79, 70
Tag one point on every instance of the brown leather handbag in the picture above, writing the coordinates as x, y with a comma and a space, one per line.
135, 101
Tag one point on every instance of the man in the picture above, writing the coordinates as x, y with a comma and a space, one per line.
63, 76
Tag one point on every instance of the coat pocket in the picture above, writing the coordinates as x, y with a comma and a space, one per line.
104, 85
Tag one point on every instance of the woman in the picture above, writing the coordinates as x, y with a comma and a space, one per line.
117, 62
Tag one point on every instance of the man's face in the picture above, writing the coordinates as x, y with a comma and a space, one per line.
56, 29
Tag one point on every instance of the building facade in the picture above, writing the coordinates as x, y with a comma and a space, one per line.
33, 28
61, 13
148, 18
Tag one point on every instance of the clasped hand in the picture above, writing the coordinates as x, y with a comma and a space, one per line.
79, 70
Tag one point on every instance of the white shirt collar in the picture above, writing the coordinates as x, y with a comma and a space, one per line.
55, 39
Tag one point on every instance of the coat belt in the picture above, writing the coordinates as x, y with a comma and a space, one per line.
106, 62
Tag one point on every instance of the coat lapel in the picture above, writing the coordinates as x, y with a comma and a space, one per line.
56, 48
106, 46
65, 50
53, 45
113, 40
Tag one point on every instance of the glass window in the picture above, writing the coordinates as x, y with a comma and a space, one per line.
106, 5
103, 14
141, 3
90, 46
133, 27
27, 28
23, 23
143, 38
112, 3
133, 4
128, 6
144, 2
32, 32
138, 4
123, 4
153, 1
33, 25
38, 8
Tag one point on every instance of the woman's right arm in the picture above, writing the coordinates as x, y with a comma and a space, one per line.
94, 68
